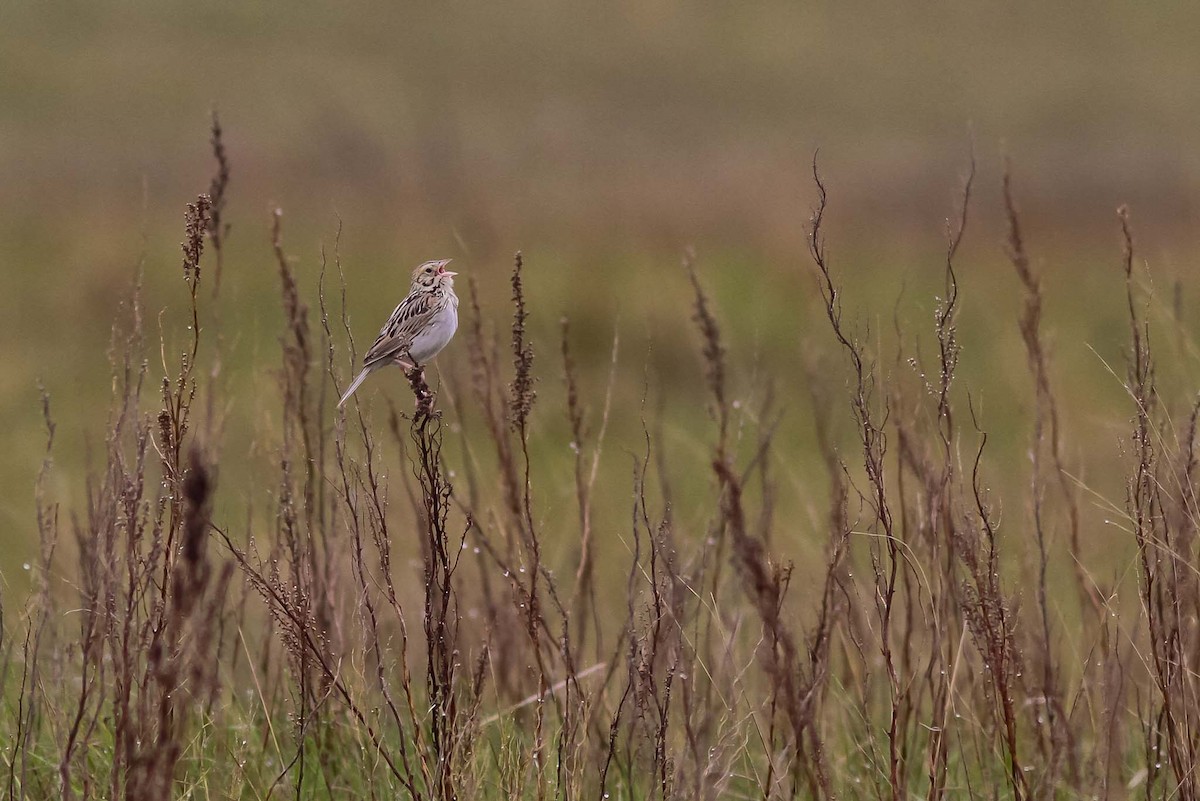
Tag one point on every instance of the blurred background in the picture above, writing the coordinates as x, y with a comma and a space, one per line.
602, 139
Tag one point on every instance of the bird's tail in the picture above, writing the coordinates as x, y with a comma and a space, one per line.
354, 385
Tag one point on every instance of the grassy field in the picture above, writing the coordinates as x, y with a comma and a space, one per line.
671, 574
732, 494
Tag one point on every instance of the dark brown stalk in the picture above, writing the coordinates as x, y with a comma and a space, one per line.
1175, 721
763, 582
1047, 440
218, 228
521, 395
871, 428
992, 622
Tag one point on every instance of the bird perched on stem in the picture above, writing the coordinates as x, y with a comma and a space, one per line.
419, 327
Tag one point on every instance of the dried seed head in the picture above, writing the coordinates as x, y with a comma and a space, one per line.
196, 225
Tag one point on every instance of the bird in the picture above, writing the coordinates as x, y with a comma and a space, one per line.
419, 328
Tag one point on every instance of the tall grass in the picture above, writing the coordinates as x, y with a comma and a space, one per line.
392, 618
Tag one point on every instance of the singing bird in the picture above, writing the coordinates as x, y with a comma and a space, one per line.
420, 326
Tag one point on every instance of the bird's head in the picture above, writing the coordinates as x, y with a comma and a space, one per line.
432, 274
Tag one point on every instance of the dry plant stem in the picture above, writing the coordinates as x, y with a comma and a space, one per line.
502, 618
871, 423
937, 479
1046, 438
940, 485
1174, 721
214, 418
422, 394
656, 653
1047, 428
506, 414
987, 611
281, 607
583, 589
157, 628
305, 517
218, 228
126, 595
39, 613
488, 388
149, 596
713, 356
764, 583
521, 397
174, 418
440, 617
992, 624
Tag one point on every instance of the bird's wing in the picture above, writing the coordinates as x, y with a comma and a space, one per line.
413, 314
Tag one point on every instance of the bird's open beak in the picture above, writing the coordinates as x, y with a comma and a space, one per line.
442, 268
